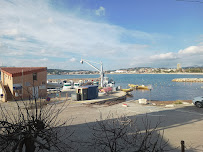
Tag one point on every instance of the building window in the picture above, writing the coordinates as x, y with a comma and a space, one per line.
27, 84
34, 76
43, 82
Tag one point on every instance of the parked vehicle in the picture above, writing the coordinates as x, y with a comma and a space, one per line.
198, 101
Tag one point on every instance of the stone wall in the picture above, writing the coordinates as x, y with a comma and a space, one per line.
188, 80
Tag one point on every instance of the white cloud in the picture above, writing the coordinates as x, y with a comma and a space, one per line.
44, 59
50, 20
72, 59
164, 56
100, 11
192, 50
189, 56
36, 29
9, 32
20, 38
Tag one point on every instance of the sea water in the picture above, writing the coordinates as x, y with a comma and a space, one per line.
163, 89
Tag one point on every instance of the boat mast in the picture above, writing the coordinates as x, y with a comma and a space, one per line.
100, 71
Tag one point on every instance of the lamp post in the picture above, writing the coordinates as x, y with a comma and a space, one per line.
150, 88
100, 71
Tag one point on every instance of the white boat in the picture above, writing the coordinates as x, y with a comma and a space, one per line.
76, 85
67, 86
54, 85
108, 83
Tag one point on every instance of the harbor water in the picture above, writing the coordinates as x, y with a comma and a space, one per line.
163, 89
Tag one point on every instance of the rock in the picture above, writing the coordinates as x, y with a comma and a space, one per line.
169, 106
185, 103
142, 101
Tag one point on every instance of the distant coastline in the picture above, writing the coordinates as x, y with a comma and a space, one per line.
136, 73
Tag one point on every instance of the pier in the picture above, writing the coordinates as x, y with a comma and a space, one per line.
188, 80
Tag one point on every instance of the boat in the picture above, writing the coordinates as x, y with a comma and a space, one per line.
67, 86
108, 83
142, 87
134, 86
127, 90
76, 85
54, 85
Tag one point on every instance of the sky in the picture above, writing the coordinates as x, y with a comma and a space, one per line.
118, 33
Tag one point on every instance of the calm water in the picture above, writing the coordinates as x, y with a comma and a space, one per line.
163, 88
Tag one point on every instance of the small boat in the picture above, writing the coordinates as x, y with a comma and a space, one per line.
142, 87
127, 90
134, 86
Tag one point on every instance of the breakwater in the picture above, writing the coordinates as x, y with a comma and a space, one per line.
188, 80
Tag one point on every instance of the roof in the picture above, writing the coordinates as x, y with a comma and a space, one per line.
18, 71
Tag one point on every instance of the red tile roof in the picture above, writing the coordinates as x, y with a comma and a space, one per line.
17, 71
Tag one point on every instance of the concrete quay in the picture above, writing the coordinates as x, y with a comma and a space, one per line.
66, 98
188, 80
103, 97
183, 122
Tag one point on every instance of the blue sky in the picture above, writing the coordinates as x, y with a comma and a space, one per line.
121, 34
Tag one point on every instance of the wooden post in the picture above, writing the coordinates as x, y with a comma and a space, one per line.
182, 146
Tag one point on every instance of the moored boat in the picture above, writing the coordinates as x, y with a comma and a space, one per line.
134, 86
142, 87
127, 90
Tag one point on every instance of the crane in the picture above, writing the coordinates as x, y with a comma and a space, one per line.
100, 71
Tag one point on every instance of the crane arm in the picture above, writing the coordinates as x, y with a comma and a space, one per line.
90, 65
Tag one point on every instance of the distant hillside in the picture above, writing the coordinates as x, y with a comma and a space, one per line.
60, 71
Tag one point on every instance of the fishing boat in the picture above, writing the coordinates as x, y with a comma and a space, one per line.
127, 90
54, 84
76, 85
142, 87
134, 86
68, 85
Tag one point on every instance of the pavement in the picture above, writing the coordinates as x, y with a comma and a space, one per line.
182, 122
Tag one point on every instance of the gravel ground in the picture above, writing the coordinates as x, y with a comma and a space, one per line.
163, 103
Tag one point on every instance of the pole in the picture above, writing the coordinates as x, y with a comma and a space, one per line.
150, 89
150, 96
22, 83
182, 146
102, 75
